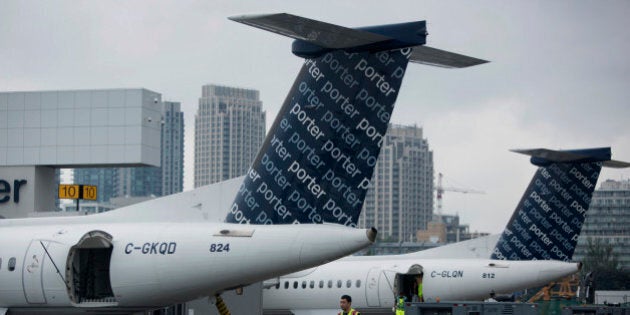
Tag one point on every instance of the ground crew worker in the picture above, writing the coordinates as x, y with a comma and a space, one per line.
419, 285
400, 304
346, 306
491, 298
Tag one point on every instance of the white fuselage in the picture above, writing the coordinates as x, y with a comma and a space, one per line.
374, 281
144, 265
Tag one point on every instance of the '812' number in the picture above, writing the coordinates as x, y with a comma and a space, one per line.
219, 247
489, 275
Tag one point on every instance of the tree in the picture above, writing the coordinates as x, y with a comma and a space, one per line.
604, 263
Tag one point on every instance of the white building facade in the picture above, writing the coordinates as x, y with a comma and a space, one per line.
608, 221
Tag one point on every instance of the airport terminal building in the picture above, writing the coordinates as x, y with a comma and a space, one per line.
41, 131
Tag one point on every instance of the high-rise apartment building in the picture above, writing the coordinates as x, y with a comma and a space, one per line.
608, 220
229, 130
400, 199
145, 181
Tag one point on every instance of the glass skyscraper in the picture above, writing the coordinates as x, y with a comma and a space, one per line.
172, 153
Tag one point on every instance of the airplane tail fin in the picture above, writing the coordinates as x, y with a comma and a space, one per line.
549, 217
317, 161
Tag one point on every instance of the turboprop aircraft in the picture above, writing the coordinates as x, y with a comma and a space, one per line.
534, 249
314, 167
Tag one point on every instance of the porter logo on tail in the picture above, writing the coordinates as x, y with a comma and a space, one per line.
317, 160
549, 217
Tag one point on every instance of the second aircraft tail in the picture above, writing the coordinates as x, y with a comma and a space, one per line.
549, 217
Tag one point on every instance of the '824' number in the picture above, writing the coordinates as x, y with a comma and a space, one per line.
219, 247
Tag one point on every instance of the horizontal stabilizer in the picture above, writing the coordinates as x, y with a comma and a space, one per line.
441, 58
315, 32
616, 164
573, 156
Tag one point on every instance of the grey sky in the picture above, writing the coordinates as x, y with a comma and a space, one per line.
559, 76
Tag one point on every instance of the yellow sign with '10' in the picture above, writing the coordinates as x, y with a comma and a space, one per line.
86, 192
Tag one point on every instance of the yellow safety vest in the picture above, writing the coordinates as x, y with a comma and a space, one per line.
352, 312
400, 306
420, 292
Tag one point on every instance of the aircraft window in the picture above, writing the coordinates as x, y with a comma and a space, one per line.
348, 283
321, 284
295, 284
11, 263
286, 284
277, 285
329, 284
303, 284
312, 284
358, 283
0, 263
338, 283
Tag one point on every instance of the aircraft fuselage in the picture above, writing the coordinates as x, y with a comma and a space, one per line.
376, 281
144, 265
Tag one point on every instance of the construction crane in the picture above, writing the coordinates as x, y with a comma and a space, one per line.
440, 194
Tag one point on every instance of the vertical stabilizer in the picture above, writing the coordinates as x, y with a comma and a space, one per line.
549, 217
317, 160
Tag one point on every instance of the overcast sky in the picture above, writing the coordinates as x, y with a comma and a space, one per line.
559, 75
